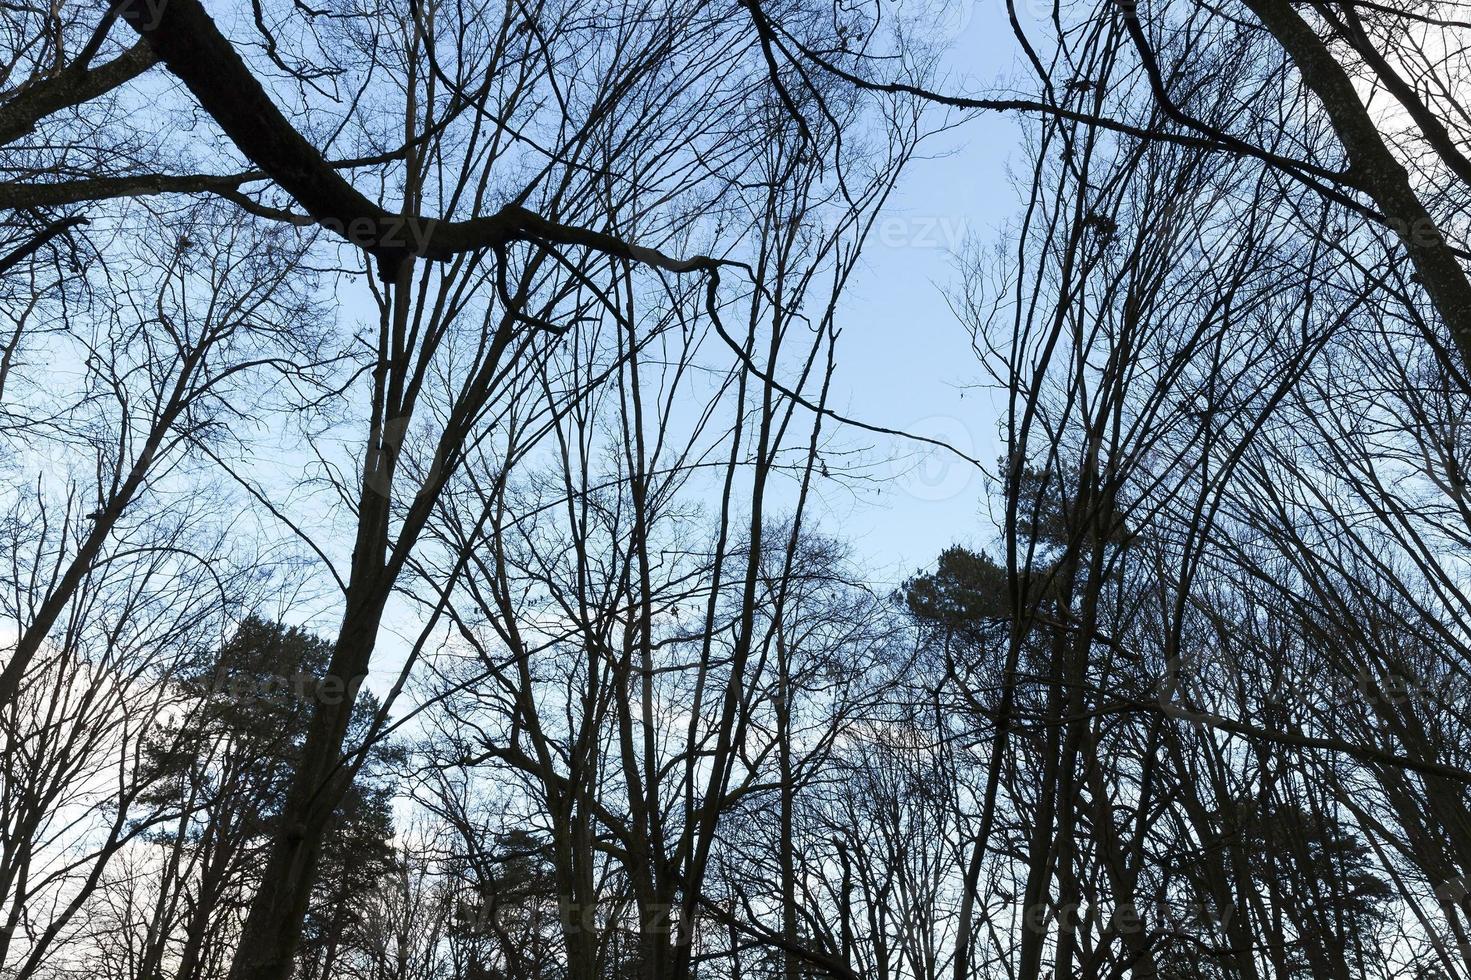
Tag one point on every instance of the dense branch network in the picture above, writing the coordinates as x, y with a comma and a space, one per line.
184, 38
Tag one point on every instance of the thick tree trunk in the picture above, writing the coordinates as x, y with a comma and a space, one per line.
1374, 168
273, 928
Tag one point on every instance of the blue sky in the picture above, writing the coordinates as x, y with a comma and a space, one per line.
904, 360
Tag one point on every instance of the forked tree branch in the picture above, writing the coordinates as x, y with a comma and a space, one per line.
186, 40
72, 86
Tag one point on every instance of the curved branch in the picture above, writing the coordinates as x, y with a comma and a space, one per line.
185, 39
